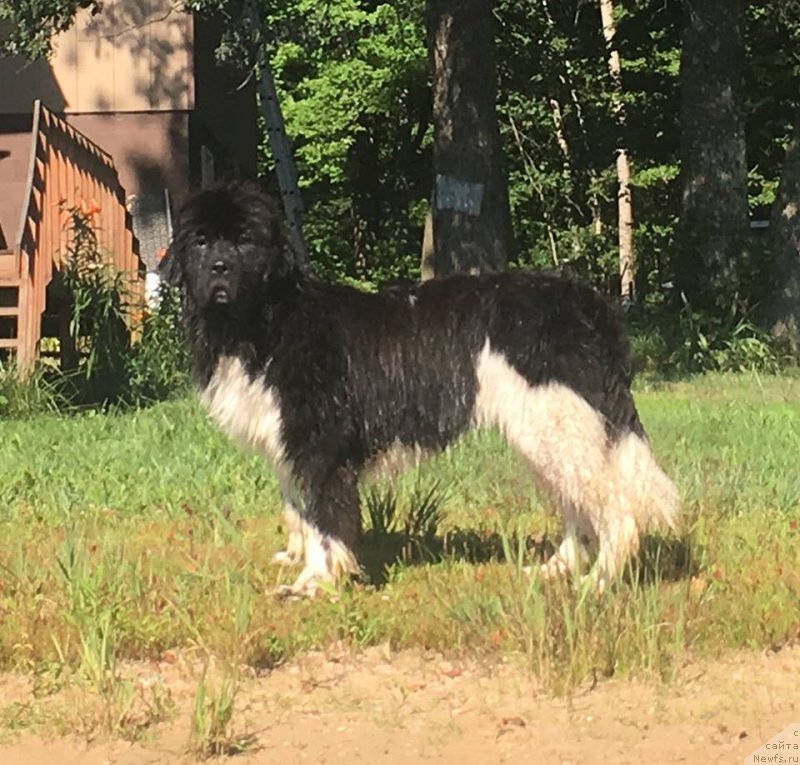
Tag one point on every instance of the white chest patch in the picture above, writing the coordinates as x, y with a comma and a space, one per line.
246, 409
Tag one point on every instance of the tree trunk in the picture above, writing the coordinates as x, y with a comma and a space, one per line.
783, 305
426, 264
471, 216
624, 203
714, 213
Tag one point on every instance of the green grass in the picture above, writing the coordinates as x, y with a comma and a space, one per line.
125, 536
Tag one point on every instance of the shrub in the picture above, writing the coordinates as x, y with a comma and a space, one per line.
100, 364
98, 342
727, 343
157, 365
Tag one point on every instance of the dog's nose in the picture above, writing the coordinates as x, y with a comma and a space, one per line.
220, 268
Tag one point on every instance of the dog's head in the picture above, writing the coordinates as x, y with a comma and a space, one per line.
227, 242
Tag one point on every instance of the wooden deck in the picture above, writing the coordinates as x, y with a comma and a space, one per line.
66, 170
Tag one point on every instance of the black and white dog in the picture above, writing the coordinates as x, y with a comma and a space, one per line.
323, 378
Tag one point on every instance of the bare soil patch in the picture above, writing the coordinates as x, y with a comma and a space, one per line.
417, 707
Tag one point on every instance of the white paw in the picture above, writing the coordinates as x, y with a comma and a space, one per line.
554, 568
307, 585
286, 558
290, 592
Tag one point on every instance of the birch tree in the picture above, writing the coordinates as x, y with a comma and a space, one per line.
624, 202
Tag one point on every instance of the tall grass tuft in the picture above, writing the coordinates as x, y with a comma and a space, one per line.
213, 730
25, 396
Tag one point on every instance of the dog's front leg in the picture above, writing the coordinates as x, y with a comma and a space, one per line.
331, 526
295, 525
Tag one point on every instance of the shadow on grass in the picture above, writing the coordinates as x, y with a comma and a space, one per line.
665, 559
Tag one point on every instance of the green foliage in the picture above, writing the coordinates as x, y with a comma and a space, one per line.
95, 295
23, 397
157, 366
100, 365
727, 343
153, 532
353, 76
354, 90
27, 26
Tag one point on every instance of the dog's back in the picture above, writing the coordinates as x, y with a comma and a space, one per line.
419, 348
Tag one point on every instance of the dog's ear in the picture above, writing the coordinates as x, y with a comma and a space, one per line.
169, 267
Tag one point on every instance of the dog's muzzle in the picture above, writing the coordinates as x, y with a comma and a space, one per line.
221, 289
220, 294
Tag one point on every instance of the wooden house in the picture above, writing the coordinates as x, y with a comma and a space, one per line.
133, 92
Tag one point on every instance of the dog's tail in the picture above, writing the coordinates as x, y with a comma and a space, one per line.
642, 488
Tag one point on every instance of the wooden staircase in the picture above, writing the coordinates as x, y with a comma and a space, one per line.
65, 170
10, 312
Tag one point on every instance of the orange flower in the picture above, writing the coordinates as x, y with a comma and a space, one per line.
89, 209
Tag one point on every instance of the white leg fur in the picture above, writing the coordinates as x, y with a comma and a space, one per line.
249, 411
571, 557
295, 544
619, 541
327, 560
605, 493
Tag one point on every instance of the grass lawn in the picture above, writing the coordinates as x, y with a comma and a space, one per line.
128, 536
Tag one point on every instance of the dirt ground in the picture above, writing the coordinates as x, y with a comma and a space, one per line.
413, 707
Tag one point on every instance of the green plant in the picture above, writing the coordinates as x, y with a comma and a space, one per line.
24, 396
726, 343
99, 362
157, 366
166, 530
95, 609
211, 732
425, 511
381, 508
412, 533
94, 350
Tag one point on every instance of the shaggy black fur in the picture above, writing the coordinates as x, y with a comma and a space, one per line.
356, 372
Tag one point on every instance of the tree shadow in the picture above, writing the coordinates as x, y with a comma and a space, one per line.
156, 33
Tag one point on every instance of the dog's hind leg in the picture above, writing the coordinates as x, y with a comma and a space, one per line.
640, 496
331, 527
564, 440
613, 488
618, 543
572, 556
